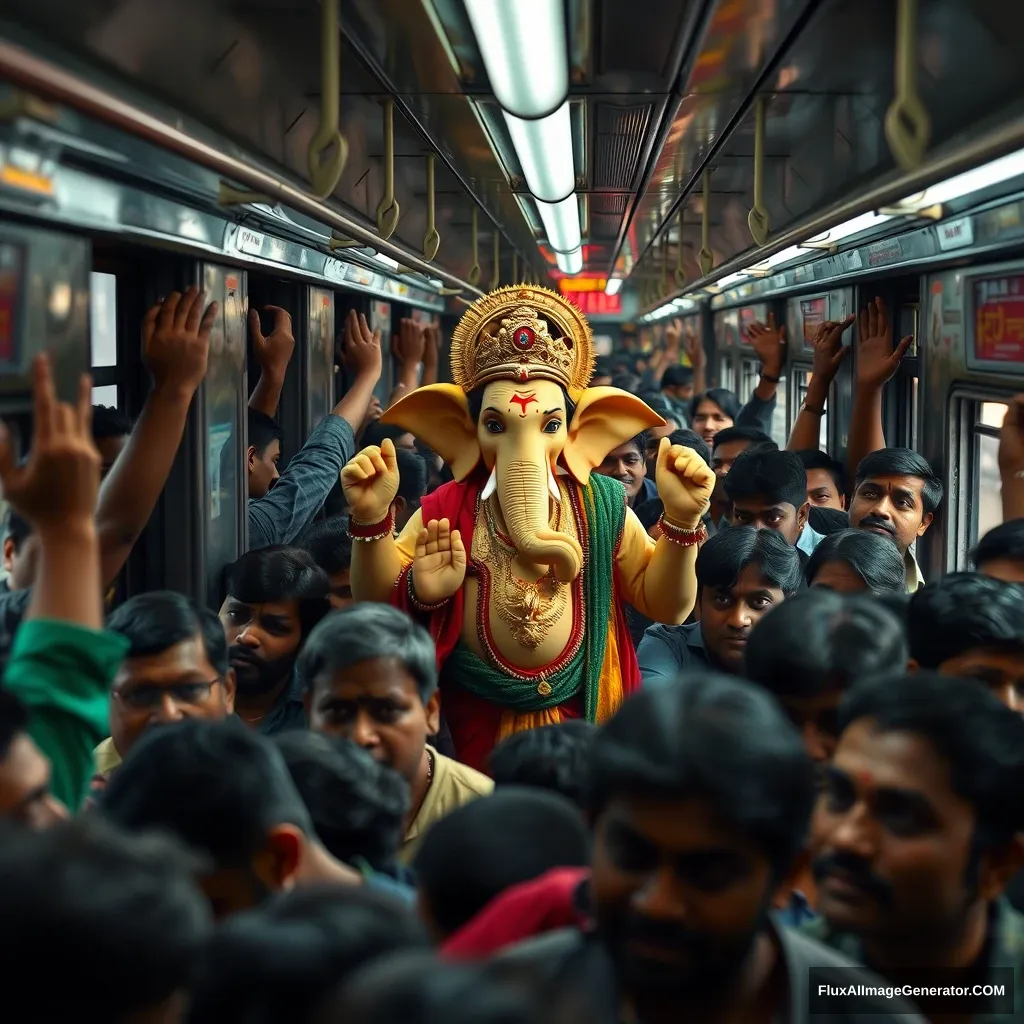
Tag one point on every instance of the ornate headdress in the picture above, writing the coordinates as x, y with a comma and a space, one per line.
506, 335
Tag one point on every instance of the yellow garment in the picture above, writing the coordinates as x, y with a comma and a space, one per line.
453, 785
105, 757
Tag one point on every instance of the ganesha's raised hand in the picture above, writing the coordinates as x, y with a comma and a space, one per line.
370, 482
685, 483
439, 565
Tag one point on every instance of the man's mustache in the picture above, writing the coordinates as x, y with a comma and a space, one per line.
857, 871
238, 653
879, 523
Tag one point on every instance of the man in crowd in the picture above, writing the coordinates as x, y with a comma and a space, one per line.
275, 597
176, 668
915, 835
327, 540
371, 677
826, 479
896, 495
742, 574
628, 465
1000, 553
971, 626
723, 454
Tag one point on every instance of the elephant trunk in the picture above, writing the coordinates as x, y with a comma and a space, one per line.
522, 487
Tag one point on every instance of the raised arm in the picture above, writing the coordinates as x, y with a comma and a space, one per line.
175, 347
877, 361
273, 353
693, 346
829, 353
407, 349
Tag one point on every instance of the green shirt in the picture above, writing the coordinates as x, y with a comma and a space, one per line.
62, 673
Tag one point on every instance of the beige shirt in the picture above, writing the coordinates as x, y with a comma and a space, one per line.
105, 757
453, 785
914, 578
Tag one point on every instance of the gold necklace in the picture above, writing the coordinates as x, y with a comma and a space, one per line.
529, 609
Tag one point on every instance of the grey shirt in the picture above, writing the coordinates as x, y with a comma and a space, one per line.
665, 651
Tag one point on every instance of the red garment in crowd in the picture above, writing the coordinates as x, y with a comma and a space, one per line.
523, 912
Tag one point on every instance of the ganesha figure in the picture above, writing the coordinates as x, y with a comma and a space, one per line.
521, 565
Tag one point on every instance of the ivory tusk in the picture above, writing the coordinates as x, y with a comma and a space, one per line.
490, 487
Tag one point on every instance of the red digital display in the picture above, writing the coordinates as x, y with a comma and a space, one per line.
999, 319
814, 313
598, 304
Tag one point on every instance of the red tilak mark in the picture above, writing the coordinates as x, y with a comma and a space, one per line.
522, 401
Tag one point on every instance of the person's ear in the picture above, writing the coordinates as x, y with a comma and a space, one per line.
398, 506
230, 685
998, 866
8, 553
802, 513
433, 713
926, 521
251, 457
279, 861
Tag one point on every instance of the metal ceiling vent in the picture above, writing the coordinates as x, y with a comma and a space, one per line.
619, 137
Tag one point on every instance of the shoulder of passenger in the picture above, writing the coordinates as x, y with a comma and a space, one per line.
468, 780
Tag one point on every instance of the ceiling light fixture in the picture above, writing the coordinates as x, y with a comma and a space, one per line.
570, 262
544, 148
561, 224
613, 286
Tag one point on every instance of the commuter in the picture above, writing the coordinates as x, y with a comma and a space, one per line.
914, 835
628, 465
856, 562
176, 667
700, 795
102, 926
767, 489
358, 805
896, 495
731, 442
553, 757
110, 432
412, 485
280, 961
275, 597
371, 677
1000, 553
376, 432
971, 626
26, 795
826, 479
224, 792
714, 410
327, 540
282, 506
742, 574
485, 847
677, 385
21, 552
682, 436
829, 353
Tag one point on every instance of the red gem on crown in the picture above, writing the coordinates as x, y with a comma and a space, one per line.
524, 339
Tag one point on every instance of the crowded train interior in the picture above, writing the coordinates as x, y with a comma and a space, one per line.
512, 511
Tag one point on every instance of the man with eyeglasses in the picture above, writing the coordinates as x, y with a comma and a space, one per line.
176, 668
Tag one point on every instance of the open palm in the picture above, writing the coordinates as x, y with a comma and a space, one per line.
439, 565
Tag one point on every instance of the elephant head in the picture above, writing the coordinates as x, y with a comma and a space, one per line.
521, 432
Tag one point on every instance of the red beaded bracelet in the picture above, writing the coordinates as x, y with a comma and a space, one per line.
684, 538
373, 531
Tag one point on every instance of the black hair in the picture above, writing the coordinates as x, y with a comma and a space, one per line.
897, 603
329, 543
718, 739
677, 376
876, 560
602, 366
553, 757
280, 573
109, 422
1003, 541
475, 401
902, 462
368, 631
814, 459
649, 512
763, 473
980, 739
17, 527
263, 430
826, 520
281, 960
376, 432
160, 619
115, 917
485, 847
751, 434
626, 382
663, 407
412, 476
962, 612
721, 560
13, 720
820, 641
358, 806
639, 442
688, 439
219, 787
722, 397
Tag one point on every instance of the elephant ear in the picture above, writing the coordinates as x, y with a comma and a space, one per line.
438, 414
605, 418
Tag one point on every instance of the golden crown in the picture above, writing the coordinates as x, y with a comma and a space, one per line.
506, 335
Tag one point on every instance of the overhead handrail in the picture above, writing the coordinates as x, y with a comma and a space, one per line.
474, 271
328, 150
388, 210
908, 127
431, 237
228, 195
706, 257
679, 276
757, 219
496, 277
515, 267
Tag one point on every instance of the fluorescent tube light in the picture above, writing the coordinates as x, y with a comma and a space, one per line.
544, 148
731, 279
993, 173
570, 262
613, 285
854, 227
561, 224
385, 261
524, 49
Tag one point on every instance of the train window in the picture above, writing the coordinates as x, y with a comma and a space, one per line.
780, 421
105, 394
801, 380
987, 506
913, 412
103, 319
725, 374
748, 378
